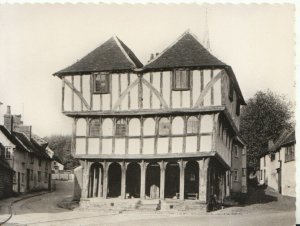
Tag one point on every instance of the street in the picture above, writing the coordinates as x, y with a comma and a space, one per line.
43, 210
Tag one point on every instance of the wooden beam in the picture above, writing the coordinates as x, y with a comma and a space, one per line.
73, 147
63, 94
81, 90
119, 89
184, 134
114, 134
191, 88
123, 95
199, 136
151, 82
206, 89
72, 106
171, 88
87, 135
127, 135
161, 86
180, 98
91, 91
128, 84
170, 134
77, 93
100, 136
157, 94
140, 92
110, 89
212, 88
142, 135
156, 134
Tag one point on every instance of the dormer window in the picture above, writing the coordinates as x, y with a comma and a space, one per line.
181, 80
101, 83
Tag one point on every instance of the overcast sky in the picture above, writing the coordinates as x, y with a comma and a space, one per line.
38, 40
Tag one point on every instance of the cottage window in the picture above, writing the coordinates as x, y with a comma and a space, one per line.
290, 153
5, 153
192, 125
181, 80
235, 176
164, 126
121, 128
101, 83
95, 128
236, 151
40, 162
39, 176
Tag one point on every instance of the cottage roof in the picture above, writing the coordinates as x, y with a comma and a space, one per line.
112, 55
5, 165
12, 138
291, 138
187, 52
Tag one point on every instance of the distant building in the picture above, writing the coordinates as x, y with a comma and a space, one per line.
278, 165
168, 129
56, 165
25, 153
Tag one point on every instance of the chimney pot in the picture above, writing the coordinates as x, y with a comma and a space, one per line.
157, 54
8, 110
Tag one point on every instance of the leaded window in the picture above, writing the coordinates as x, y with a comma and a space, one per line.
101, 83
95, 128
181, 80
121, 128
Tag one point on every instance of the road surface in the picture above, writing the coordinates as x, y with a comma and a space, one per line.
43, 210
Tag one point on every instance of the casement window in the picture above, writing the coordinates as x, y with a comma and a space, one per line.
121, 128
39, 176
46, 178
192, 125
290, 153
40, 162
101, 83
164, 126
244, 172
95, 128
235, 176
236, 151
181, 80
5, 153
231, 90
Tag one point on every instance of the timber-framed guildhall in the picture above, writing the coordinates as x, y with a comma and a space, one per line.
167, 129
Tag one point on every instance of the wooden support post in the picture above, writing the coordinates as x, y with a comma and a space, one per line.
100, 194
110, 89
140, 92
142, 135
105, 178
162, 165
184, 134
100, 135
170, 134
127, 136
85, 179
91, 91
87, 136
123, 180
95, 184
198, 134
156, 134
143, 166
203, 176
191, 89
73, 147
182, 165
114, 134
161, 86
171, 88
128, 79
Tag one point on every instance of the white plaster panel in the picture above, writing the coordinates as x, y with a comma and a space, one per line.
86, 88
206, 124
186, 99
217, 93
107, 127
106, 146
191, 144
162, 145
146, 97
177, 143
134, 127
149, 127
124, 85
166, 86
96, 102
81, 127
207, 97
148, 147
134, 146
80, 146
205, 144
120, 146
196, 85
106, 101
176, 99
114, 87
68, 98
177, 125
93, 147
134, 97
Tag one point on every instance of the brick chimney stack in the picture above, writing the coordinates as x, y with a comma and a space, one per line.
8, 119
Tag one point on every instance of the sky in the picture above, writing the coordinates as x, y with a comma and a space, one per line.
257, 41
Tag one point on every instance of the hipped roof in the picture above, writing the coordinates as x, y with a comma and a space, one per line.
112, 55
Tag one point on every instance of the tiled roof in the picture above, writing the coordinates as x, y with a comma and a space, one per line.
112, 55
12, 138
187, 52
291, 138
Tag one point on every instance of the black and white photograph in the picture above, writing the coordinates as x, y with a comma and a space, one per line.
148, 114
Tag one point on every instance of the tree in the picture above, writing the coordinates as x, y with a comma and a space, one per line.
61, 145
264, 117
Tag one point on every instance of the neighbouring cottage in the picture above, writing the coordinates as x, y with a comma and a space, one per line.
6, 175
56, 165
26, 154
278, 165
168, 129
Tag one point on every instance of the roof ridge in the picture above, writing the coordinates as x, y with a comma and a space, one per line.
117, 40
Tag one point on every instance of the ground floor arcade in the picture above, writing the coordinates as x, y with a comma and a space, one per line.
190, 178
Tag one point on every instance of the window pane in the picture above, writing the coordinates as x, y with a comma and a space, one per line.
95, 127
164, 126
192, 125
101, 83
121, 127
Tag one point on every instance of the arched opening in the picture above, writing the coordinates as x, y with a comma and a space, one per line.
95, 180
153, 180
114, 180
191, 177
133, 180
172, 180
